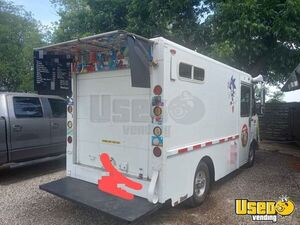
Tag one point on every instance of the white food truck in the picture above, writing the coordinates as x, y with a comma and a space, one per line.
168, 118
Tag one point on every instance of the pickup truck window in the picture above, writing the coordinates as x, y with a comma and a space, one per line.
27, 107
58, 108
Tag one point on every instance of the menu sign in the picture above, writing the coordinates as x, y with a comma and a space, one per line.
52, 74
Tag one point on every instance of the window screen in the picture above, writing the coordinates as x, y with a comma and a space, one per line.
185, 70
58, 108
198, 74
245, 101
27, 107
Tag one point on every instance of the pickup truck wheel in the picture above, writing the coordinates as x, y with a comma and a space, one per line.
201, 185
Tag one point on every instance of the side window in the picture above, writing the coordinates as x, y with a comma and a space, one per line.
245, 101
185, 70
27, 107
198, 74
191, 72
58, 108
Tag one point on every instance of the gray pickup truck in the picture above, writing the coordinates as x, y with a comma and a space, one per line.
31, 127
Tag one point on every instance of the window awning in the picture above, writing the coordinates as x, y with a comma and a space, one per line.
102, 52
293, 83
99, 42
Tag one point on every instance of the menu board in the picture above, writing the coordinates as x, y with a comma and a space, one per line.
52, 74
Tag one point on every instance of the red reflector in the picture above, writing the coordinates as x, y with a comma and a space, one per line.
70, 139
157, 90
157, 151
173, 51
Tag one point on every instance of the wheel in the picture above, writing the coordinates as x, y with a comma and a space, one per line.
201, 185
251, 156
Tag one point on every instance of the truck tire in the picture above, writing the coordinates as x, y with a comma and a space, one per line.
201, 185
251, 156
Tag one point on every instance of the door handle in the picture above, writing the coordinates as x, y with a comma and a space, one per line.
17, 128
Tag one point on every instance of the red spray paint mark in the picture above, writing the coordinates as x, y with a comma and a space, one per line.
109, 184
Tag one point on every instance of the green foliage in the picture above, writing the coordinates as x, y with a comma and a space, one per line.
276, 97
258, 36
176, 20
19, 34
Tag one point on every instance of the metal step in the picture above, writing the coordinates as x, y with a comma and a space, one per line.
88, 194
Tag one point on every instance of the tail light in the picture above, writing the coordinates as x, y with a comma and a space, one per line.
70, 109
157, 111
157, 151
157, 90
157, 131
70, 139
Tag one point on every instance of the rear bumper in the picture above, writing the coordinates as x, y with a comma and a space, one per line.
88, 194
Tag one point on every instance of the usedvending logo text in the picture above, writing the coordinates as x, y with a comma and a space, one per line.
265, 210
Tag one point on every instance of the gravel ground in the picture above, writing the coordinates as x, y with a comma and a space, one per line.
274, 174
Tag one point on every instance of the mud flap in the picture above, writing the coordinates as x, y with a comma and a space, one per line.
88, 194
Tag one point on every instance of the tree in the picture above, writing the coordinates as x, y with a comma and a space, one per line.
260, 37
173, 19
19, 34
276, 97
257, 36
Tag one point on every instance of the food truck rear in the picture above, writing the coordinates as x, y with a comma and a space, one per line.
118, 107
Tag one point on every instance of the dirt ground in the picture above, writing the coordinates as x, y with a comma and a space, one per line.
275, 173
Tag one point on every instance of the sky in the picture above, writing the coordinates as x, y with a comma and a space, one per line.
43, 11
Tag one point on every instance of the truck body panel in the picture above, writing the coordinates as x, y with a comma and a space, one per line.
196, 109
104, 105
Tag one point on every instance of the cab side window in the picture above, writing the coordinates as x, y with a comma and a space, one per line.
27, 107
245, 101
58, 108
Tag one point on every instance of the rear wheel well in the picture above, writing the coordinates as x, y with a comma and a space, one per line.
210, 166
254, 144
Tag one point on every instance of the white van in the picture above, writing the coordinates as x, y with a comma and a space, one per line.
170, 119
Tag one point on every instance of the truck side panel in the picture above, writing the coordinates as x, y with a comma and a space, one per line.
202, 120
